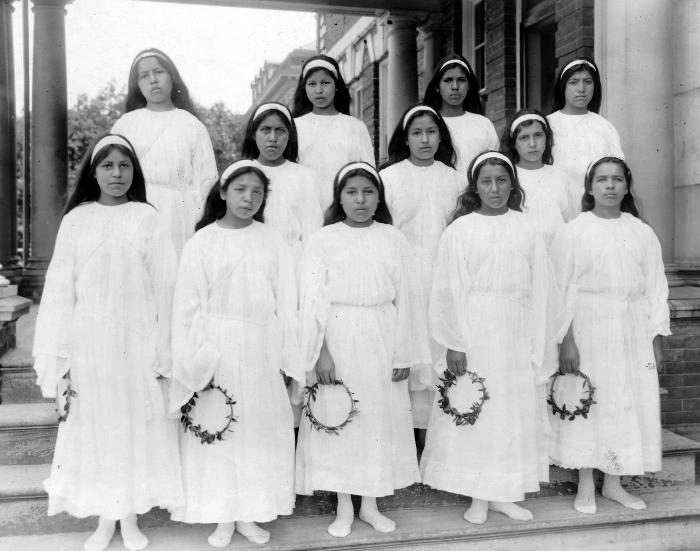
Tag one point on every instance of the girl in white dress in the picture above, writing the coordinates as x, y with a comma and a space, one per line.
328, 136
172, 144
234, 326
361, 322
103, 337
421, 192
581, 135
487, 307
615, 297
454, 92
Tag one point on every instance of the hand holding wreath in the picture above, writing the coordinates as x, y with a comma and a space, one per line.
325, 366
456, 362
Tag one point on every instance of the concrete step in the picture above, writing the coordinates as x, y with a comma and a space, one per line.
27, 433
18, 385
671, 521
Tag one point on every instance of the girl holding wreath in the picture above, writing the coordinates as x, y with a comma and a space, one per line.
615, 293
102, 342
488, 309
234, 325
362, 322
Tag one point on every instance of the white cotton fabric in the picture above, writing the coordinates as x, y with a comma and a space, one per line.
421, 200
578, 141
293, 204
327, 143
615, 293
471, 134
234, 321
358, 293
489, 301
105, 318
178, 163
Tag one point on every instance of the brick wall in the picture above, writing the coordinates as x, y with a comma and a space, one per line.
574, 28
336, 25
681, 375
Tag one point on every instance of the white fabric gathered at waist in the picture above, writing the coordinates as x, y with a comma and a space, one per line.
237, 319
386, 304
523, 300
627, 299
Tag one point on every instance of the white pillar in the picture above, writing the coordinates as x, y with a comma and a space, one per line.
402, 85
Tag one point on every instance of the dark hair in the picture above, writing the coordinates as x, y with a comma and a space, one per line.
335, 212
250, 148
86, 186
508, 141
179, 94
432, 97
564, 76
215, 206
398, 148
628, 203
302, 103
470, 201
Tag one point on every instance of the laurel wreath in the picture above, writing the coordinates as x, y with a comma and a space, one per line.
470, 416
69, 393
310, 397
206, 437
583, 409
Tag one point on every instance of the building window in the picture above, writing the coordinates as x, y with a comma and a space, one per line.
538, 43
479, 33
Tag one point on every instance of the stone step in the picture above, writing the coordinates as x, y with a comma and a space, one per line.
18, 386
671, 521
27, 433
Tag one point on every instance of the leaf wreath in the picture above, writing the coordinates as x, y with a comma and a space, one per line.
206, 437
310, 397
470, 416
69, 393
583, 410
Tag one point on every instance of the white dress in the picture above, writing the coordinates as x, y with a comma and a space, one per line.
358, 294
105, 318
471, 134
327, 143
578, 141
234, 321
488, 300
293, 205
421, 200
615, 294
178, 163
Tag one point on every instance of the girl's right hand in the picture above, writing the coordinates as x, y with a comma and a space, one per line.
325, 367
456, 362
569, 359
60, 389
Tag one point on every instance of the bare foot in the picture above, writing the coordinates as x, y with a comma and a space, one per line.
371, 515
344, 517
222, 535
477, 512
252, 532
133, 538
511, 510
100, 538
585, 497
614, 491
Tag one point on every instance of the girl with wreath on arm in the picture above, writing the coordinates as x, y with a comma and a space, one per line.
362, 323
235, 328
615, 294
172, 143
487, 308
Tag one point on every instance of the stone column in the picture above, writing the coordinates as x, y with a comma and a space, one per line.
8, 178
402, 85
634, 49
686, 122
49, 136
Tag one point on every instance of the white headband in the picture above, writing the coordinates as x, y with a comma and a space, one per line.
490, 155
528, 117
148, 53
358, 165
235, 166
577, 62
270, 107
414, 111
590, 166
455, 62
319, 64
111, 139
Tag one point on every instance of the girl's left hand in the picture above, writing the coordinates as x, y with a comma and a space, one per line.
400, 374
659, 352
